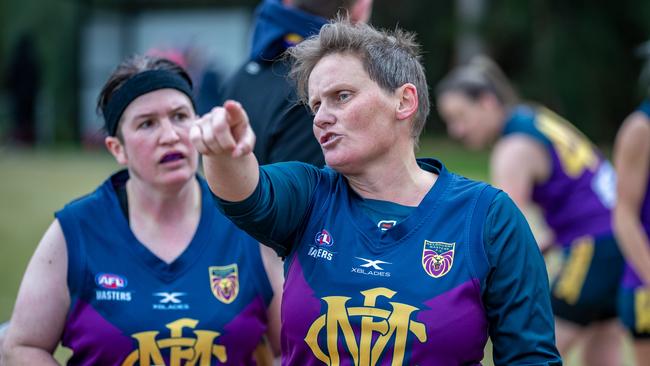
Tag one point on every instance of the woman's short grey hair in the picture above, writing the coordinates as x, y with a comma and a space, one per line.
391, 59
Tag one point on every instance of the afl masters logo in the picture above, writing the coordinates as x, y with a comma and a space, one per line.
224, 281
437, 258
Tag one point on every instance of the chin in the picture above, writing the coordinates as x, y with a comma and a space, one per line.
177, 177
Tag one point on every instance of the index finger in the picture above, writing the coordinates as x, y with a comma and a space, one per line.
235, 113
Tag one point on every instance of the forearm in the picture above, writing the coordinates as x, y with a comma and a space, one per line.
633, 242
231, 179
26, 355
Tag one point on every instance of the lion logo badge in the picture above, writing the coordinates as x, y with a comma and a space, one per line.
437, 258
224, 282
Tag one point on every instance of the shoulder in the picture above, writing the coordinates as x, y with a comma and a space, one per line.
258, 73
635, 129
525, 145
519, 154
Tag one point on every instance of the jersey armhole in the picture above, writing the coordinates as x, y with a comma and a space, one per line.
76, 252
478, 254
263, 283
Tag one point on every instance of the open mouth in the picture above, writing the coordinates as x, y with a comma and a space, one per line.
327, 138
169, 157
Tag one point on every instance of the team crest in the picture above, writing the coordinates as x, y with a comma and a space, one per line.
437, 258
224, 282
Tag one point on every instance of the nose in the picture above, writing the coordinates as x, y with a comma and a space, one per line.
168, 133
323, 117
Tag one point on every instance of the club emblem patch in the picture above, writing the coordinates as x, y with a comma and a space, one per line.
224, 282
437, 258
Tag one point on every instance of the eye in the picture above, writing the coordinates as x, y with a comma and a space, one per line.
180, 116
145, 124
342, 96
315, 107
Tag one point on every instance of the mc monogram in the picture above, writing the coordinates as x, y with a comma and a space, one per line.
194, 351
387, 327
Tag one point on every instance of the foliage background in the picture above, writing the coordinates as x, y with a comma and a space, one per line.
575, 56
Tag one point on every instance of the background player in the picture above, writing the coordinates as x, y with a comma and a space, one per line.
539, 158
283, 126
632, 225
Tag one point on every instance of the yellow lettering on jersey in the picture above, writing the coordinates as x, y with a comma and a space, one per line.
642, 310
575, 271
388, 325
194, 351
574, 150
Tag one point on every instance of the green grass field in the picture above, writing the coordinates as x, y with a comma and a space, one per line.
34, 184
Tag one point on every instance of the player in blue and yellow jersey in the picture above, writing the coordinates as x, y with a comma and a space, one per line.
144, 270
632, 225
389, 260
539, 158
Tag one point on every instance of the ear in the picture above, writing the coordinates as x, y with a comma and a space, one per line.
360, 11
408, 101
115, 147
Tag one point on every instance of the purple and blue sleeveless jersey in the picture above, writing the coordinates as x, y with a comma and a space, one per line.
424, 289
579, 194
128, 307
630, 278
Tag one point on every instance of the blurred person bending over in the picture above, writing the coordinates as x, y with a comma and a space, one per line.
144, 270
539, 158
283, 126
632, 225
390, 259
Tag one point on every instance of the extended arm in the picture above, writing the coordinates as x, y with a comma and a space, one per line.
632, 161
42, 304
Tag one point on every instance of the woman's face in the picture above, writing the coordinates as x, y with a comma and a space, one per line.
155, 132
354, 119
473, 122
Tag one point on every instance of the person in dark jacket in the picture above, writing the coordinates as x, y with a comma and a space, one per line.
282, 125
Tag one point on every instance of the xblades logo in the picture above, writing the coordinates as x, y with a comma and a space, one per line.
371, 267
169, 297
372, 263
170, 301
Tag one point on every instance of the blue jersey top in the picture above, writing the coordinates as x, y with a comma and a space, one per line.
424, 290
128, 307
579, 193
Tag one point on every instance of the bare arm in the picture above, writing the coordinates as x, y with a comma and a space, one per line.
42, 304
517, 163
632, 162
226, 140
274, 270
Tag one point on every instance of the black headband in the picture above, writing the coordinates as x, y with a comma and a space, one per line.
142, 83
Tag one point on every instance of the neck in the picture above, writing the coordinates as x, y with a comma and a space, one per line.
398, 179
170, 205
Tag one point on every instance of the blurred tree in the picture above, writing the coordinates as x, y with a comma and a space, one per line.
575, 56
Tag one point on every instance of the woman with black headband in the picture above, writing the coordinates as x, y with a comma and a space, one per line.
143, 270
